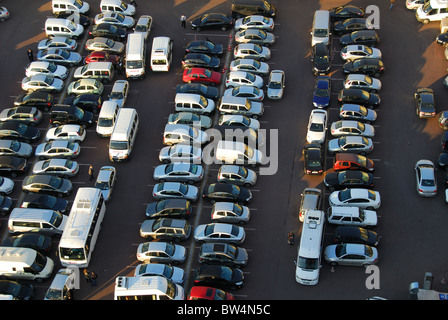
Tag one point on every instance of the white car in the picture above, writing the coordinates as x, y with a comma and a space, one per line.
426, 178
243, 78
58, 149
276, 85
42, 82
57, 43
251, 51
4, 14
48, 68
180, 153
352, 127
219, 232
67, 132
317, 126
362, 81
358, 197
6, 185
115, 18
255, 22
85, 86
356, 51
249, 92
120, 92
250, 65
239, 120
230, 212
352, 216
105, 181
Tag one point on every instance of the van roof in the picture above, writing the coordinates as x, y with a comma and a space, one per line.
58, 21
100, 65
17, 254
31, 214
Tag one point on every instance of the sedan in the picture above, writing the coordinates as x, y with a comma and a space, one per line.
249, 92
203, 46
37, 99
356, 51
353, 144
350, 25
178, 172
365, 37
33, 240
425, 103
199, 88
26, 115
357, 112
201, 75
250, 65
166, 190
169, 208
104, 44
276, 85
358, 197
42, 82
19, 291
105, 181
352, 234
57, 43
108, 30
191, 60
82, 86
223, 254
101, 56
362, 81
161, 252
368, 66
251, 51
257, 36
229, 212
47, 184
212, 21
115, 18
426, 178
175, 274
221, 277
227, 192
180, 153
313, 158
67, 132
44, 201
320, 59
48, 68
322, 92
18, 131
191, 119
219, 232
345, 12
13, 165
238, 120
6, 205
317, 126
348, 179
59, 167
15, 148
352, 128
351, 254
58, 149
60, 56
6, 185
237, 175
358, 96
254, 22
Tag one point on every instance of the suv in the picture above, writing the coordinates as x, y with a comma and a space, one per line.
64, 114
311, 199
369, 100
223, 254
165, 229
87, 101
368, 66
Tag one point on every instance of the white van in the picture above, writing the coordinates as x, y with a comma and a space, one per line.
147, 288
432, 10
55, 27
161, 53
36, 220
101, 71
238, 105
195, 103
135, 56
235, 152
24, 264
117, 6
107, 118
123, 136
70, 6
321, 27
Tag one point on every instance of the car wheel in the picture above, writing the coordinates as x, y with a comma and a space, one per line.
369, 208
60, 195
13, 174
166, 161
248, 185
333, 264
2, 20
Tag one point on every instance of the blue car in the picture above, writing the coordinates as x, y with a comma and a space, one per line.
322, 92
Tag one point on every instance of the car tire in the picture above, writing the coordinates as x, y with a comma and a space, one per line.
2, 20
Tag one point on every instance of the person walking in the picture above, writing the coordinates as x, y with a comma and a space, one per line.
91, 172
93, 277
183, 21
30, 55
291, 238
87, 275
120, 67
392, 4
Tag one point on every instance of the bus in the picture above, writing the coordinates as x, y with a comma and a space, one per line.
82, 228
310, 247
147, 288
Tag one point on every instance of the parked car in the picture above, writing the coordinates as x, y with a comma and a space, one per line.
67, 114
203, 46
317, 126
426, 178
48, 184
63, 43
255, 22
58, 167
166, 190
20, 291
320, 59
48, 68
58, 149
105, 181
15, 148
168, 229
101, 56
32, 240
12, 165
180, 153
175, 274
178, 172
227, 192
161, 252
229, 212
208, 293
237, 175
38, 99
322, 92
249, 92
42, 82
352, 144
360, 197
425, 103
18, 131
219, 232
348, 179
350, 111
346, 11
6, 186
108, 30
250, 65
362, 81
368, 66
358, 96
223, 254
218, 276
44, 201
144, 25
104, 44
27, 115
351, 234
238, 78
351, 24
200, 60
351, 254
169, 208
357, 51
68, 132
115, 18
251, 51
212, 21
366, 37
313, 158
199, 88
352, 161
85, 86
238, 120
257, 36
119, 92
352, 215
276, 85
4, 14
191, 119
351, 128
201, 75
59, 56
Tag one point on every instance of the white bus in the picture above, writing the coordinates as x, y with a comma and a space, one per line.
82, 228
310, 247
147, 288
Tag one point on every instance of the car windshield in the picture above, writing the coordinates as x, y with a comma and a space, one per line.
321, 32
361, 126
119, 17
322, 92
371, 195
344, 195
237, 209
52, 67
250, 77
308, 263
109, 43
276, 85
136, 64
362, 160
49, 80
118, 145
116, 95
242, 171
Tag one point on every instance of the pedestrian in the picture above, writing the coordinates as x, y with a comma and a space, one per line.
134, 3
120, 67
392, 4
183, 21
291, 237
87, 275
93, 277
30, 55
91, 172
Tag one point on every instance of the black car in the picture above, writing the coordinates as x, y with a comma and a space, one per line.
13, 165
33, 240
203, 46
172, 208
350, 25
5, 205
350, 234
108, 30
75, 17
224, 254
86, 101
199, 88
19, 291
313, 158
367, 37
227, 192
221, 277
212, 21
202, 60
320, 58
369, 66
66, 114
48, 184
44, 201
38, 99
348, 179
442, 39
18, 131
345, 12
359, 96
425, 103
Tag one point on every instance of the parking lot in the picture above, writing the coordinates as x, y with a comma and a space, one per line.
411, 227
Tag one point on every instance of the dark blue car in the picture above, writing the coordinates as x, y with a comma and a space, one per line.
322, 92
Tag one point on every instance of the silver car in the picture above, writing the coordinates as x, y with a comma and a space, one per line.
250, 65
243, 78
59, 167
58, 149
237, 175
254, 22
190, 119
351, 254
4, 14
180, 172
42, 82
26, 115
60, 56
166, 190
161, 252
248, 92
57, 43
276, 85
15, 148
356, 51
114, 18
48, 68
426, 178
349, 111
82, 86
352, 127
219, 232
67, 132
363, 82
230, 212
239, 120
143, 25
105, 181
255, 36
104, 44
355, 144
251, 51
119, 92
175, 274
180, 153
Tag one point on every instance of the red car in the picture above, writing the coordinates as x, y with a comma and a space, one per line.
208, 293
347, 161
99, 56
201, 75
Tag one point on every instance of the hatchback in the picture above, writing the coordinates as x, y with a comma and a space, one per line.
356, 51
223, 254
425, 104
238, 120
426, 178
42, 82
219, 276
353, 144
351, 254
68, 132
169, 208
320, 59
161, 252
26, 115
36, 99
48, 184
358, 96
175, 274
59, 167
276, 85
251, 51
201, 60
240, 78
351, 128
229, 212
82, 86
180, 172
12, 165
219, 232
60, 56
256, 36
227, 192
58, 149
15, 148
47, 68
237, 175
362, 81
208, 293
368, 66
177, 190
18, 131
44, 201
365, 37
212, 21
248, 92
108, 30
352, 161
201, 75
349, 234
105, 181
115, 18
250, 65
348, 179
181, 153
255, 22
165, 229
360, 197
351, 111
